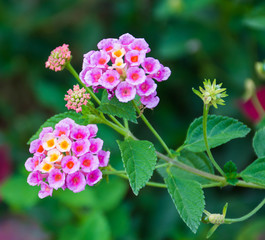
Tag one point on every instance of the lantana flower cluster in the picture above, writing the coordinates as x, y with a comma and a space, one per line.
76, 98
68, 156
122, 68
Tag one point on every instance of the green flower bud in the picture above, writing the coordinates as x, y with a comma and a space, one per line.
212, 93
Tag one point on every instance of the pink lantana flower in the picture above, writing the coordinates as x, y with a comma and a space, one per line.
59, 57
125, 92
95, 145
34, 178
150, 101
93, 177
70, 164
89, 162
135, 76
147, 87
76, 182
56, 178
76, 98
80, 147
45, 191
110, 79
103, 158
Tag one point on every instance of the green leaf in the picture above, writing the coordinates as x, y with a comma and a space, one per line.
255, 172
230, 171
197, 160
188, 198
219, 131
139, 159
51, 122
116, 108
16, 192
261, 124
258, 143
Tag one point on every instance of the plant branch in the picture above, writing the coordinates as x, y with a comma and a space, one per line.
250, 214
148, 124
74, 73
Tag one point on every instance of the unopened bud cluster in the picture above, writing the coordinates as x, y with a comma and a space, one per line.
212, 93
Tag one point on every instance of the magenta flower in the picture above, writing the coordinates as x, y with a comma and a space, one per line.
147, 87
103, 158
150, 101
80, 132
151, 65
135, 58
56, 178
95, 145
93, 177
76, 98
32, 163
126, 39
99, 59
135, 76
70, 164
34, 178
107, 44
36, 147
93, 129
92, 77
162, 74
62, 129
76, 182
123, 60
45, 191
110, 79
45, 130
59, 57
89, 162
80, 147
140, 45
125, 92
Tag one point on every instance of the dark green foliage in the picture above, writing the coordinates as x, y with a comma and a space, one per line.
139, 159
230, 171
51, 122
219, 131
116, 108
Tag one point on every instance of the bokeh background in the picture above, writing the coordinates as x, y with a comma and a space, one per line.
199, 39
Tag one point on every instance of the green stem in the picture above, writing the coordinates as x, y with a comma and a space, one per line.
205, 114
122, 175
148, 124
74, 73
126, 125
250, 214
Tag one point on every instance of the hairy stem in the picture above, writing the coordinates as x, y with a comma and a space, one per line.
74, 73
205, 114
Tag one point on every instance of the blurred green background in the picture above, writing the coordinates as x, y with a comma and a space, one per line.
197, 39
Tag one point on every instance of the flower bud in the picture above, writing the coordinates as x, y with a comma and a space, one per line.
212, 93
76, 98
59, 57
